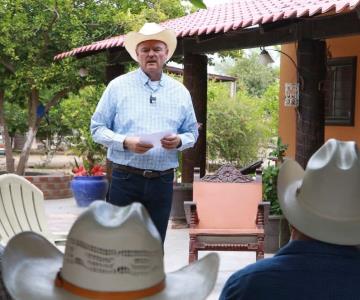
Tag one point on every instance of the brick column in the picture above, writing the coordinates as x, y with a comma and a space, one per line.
195, 79
310, 118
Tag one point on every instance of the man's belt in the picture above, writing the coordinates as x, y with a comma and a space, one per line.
142, 172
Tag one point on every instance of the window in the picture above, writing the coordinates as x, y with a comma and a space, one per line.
340, 91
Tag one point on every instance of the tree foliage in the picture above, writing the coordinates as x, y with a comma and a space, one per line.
252, 76
32, 32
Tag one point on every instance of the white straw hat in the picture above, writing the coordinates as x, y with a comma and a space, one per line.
323, 201
111, 253
150, 31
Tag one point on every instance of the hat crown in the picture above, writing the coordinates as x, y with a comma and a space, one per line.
150, 31
323, 201
151, 28
330, 185
113, 249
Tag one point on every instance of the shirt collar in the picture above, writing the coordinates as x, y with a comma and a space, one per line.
145, 79
313, 247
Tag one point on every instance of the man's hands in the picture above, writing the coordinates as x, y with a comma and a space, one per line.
134, 144
170, 141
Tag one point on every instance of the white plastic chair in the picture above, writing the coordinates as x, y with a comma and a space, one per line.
22, 209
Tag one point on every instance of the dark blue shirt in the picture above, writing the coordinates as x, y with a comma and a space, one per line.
302, 270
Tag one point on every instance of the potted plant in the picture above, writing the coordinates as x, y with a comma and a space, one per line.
89, 185
77, 112
277, 231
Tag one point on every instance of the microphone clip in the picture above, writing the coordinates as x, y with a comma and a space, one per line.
152, 99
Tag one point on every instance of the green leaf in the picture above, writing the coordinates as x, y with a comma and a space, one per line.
198, 3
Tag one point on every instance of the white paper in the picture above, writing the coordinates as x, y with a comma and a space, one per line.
154, 138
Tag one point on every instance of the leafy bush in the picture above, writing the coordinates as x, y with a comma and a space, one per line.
77, 113
269, 180
270, 176
236, 127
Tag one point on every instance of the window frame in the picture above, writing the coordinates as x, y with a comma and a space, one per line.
344, 61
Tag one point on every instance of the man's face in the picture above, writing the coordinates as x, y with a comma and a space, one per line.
152, 56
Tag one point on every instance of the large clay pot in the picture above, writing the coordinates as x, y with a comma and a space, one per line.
87, 189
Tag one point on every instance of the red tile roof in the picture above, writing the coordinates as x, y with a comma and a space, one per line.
232, 16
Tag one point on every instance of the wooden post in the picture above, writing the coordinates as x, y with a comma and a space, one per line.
195, 79
112, 71
311, 56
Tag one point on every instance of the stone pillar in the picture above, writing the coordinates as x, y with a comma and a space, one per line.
195, 79
311, 57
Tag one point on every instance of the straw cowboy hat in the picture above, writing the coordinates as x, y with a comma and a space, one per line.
111, 253
150, 31
323, 201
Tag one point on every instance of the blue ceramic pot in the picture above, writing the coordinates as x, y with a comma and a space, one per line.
87, 189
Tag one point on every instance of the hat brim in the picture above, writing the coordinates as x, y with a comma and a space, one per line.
306, 219
166, 36
29, 273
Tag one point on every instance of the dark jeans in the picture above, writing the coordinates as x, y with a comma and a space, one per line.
154, 193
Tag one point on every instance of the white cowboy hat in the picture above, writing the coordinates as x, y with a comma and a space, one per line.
111, 253
150, 31
323, 201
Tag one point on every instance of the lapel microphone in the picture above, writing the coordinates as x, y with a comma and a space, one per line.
152, 99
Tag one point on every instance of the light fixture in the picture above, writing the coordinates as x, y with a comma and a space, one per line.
265, 58
83, 72
291, 89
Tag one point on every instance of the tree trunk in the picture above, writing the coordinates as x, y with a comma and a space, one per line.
10, 167
33, 122
24, 156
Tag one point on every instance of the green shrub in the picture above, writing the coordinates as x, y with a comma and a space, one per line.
269, 180
270, 176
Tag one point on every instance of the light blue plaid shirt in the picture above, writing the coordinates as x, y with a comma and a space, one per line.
125, 110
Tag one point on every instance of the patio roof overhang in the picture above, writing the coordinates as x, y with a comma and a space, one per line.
247, 24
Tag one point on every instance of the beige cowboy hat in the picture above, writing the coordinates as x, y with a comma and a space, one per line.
323, 201
150, 31
111, 253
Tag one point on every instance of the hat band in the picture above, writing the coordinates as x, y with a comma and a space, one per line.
128, 295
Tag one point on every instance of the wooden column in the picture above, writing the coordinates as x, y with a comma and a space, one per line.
112, 71
195, 79
311, 56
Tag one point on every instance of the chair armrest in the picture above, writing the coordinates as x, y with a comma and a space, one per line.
190, 210
59, 238
262, 216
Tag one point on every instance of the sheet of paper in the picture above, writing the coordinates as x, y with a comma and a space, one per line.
154, 138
